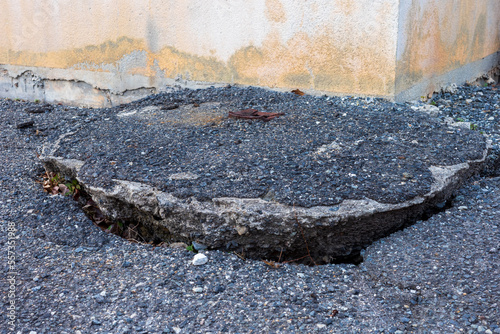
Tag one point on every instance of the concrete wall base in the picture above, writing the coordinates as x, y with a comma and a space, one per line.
461, 75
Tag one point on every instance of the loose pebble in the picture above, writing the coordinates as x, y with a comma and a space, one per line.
200, 259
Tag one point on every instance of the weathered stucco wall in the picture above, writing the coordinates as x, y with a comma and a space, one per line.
445, 41
107, 52
323, 45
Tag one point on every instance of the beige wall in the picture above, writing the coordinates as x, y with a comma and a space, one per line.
437, 39
107, 52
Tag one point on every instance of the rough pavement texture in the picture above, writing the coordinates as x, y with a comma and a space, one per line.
341, 168
437, 276
322, 151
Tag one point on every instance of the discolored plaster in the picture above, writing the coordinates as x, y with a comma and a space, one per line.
438, 37
321, 46
271, 43
275, 11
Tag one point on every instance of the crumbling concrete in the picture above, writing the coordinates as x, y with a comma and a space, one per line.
262, 226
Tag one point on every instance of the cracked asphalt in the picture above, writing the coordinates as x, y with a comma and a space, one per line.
441, 275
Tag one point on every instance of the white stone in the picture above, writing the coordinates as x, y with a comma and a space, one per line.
197, 289
429, 109
241, 229
453, 89
462, 125
183, 176
200, 259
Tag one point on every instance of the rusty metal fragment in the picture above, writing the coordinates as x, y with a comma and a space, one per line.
255, 114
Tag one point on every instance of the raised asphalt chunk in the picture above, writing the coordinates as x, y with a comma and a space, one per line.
329, 173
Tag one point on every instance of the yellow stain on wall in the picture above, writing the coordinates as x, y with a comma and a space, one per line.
106, 53
438, 45
303, 62
275, 11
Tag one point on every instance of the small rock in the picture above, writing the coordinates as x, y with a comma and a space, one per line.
100, 299
218, 289
231, 244
126, 264
429, 109
38, 109
407, 175
320, 326
79, 250
200, 259
462, 207
183, 176
198, 289
241, 229
198, 246
96, 322
488, 331
180, 245
25, 125
269, 196
462, 125
169, 106
452, 89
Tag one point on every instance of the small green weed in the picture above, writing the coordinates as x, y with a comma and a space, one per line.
460, 119
473, 126
73, 187
54, 183
190, 248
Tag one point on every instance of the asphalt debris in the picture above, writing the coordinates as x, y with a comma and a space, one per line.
438, 276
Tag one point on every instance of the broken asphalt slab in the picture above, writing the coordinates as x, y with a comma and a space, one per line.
330, 174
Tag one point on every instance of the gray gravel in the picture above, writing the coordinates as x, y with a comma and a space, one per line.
438, 276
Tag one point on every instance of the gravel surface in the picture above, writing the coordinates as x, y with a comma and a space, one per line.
437, 276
